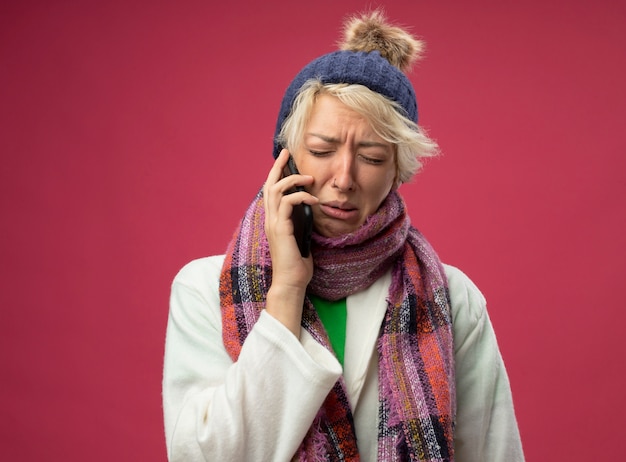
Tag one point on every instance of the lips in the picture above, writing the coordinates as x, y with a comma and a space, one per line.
339, 210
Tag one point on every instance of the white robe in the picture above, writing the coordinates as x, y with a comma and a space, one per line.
260, 408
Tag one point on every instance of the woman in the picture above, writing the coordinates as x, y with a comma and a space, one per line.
368, 349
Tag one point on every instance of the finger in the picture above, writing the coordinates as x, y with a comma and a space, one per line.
274, 175
275, 190
276, 172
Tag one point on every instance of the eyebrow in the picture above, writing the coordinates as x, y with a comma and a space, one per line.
364, 144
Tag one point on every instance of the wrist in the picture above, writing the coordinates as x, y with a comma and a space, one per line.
284, 303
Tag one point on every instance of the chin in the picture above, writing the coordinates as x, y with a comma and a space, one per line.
334, 230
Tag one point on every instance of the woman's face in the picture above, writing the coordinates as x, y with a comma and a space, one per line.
354, 169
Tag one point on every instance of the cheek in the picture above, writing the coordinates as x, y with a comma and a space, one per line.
384, 192
386, 180
298, 159
309, 165
305, 163
379, 189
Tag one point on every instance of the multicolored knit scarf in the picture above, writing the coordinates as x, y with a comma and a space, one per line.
416, 364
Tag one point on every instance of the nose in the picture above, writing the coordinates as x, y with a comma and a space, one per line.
344, 171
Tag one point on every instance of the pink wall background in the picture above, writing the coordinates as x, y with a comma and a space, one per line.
133, 134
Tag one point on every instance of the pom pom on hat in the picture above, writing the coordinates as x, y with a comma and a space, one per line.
374, 54
371, 32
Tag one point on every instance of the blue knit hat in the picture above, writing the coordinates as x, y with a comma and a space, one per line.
352, 67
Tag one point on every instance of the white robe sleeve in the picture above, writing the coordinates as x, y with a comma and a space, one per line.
256, 409
486, 428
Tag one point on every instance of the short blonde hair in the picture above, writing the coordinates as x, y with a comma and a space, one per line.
386, 117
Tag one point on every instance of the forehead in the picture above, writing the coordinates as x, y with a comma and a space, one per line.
330, 113
332, 120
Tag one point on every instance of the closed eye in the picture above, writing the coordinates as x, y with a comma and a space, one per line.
320, 153
372, 160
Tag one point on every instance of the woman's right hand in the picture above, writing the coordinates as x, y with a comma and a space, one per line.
291, 272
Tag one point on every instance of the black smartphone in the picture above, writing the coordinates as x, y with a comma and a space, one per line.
302, 215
